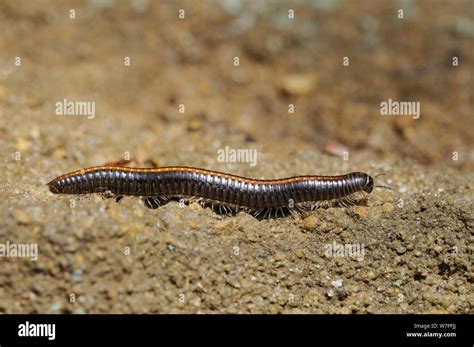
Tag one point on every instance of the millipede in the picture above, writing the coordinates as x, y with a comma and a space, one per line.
228, 193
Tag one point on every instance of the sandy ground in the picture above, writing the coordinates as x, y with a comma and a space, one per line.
100, 256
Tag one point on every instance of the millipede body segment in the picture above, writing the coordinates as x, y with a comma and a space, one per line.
157, 185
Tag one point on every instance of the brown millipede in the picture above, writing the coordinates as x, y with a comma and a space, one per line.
157, 186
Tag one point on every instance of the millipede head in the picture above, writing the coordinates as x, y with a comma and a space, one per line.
369, 184
62, 185
54, 187
361, 182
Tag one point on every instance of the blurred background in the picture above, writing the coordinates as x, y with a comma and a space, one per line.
282, 61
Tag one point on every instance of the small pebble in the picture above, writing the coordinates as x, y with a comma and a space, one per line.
299, 253
401, 250
59, 153
310, 222
224, 224
22, 217
361, 211
33, 102
298, 84
388, 207
55, 308
337, 283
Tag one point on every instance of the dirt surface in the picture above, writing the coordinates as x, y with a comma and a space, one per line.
96, 255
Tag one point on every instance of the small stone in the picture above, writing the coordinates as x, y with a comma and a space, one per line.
76, 276
22, 217
36, 288
224, 224
192, 224
403, 235
299, 253
298, 84
401, 250
429, 280
279, 256
55, 308
388, 207
369, 275
337, 283
324, 227
361, 211
59, 153
335, 148
33, 101
195, 125
310, 222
